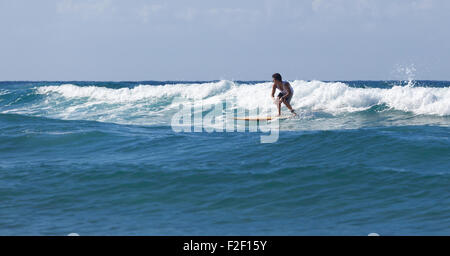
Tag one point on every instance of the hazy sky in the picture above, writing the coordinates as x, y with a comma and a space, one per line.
233, 39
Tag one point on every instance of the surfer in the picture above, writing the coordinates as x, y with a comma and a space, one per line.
284, 96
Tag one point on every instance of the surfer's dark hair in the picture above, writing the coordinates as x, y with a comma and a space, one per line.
277, 76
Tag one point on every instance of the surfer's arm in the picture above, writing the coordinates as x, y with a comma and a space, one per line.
273, 90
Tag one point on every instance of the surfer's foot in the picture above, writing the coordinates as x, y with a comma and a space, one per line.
293, 113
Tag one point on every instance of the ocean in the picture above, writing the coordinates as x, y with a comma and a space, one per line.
104, 158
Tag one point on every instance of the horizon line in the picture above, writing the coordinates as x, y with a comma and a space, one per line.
233, 80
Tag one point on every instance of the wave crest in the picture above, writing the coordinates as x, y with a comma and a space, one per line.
330, 97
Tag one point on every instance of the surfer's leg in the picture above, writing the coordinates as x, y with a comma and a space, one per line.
280, 100
279, 107
288, 105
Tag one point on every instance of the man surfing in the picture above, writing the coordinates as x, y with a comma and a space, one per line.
284, 96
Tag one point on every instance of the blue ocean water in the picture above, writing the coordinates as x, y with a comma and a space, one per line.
101, 158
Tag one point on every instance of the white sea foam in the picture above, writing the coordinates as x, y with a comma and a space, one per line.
329, 97
339, 97
138, 92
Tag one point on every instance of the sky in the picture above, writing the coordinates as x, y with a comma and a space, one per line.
135, 40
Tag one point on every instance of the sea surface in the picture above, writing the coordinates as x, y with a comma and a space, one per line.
104, 158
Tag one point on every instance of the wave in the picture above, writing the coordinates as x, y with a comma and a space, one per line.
138, 92
330, 97
315, 101
339, 97
3, 92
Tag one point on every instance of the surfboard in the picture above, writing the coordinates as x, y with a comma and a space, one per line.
261, 118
